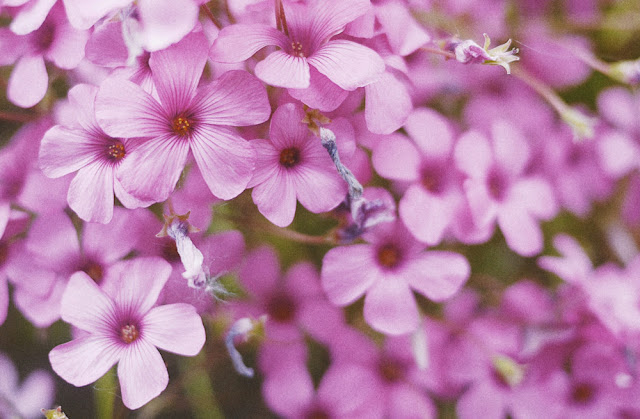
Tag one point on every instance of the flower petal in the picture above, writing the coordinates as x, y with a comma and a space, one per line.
63, 151
260, 272
276, 198
322, 93
473, 154
438, 275
31, 16
124, 110
225, 160
82, 361
28, 82
390, 307
284, 70
67, 49
166, 22
347, 64
427, 216
236, 99
347, 272
91, 193
136, 283
331, 16
175, 328
520, 229
176, 72
387, 104
236, 43
86, 306
396, 158
151, 171
319, 189
142, 374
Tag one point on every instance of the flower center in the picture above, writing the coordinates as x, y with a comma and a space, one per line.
432, 180
182, 126
391, 370
289, 157
296, 49
281, 308
129, 333
317, 413
582, 393
94, 270
389, 255
116, 151
45, 36
497, 184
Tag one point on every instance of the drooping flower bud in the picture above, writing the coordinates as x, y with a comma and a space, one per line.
468, 52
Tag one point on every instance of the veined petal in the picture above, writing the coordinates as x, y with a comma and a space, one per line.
319, 190
387, 104
82, 361
86, 306
438, 275
83, 14
390, 307
63, 151
322, 93
67, 49
145, 278
28, 82
83, 97
347, 273
165, 22
91, 193
236, 99
142, 374
225, 159
151, 171
176, 72
284, 70
238, 42
276, 198
287, 128
267, 164
175, 328
348, 64
124, 110
331, 16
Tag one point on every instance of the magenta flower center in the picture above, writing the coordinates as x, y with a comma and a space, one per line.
582, 393
94, 270
45, 36
296, 49
281, 308
289, 157
389, 255
497, 184
317, 413
129, 333
432, 179
182, 126
116, 151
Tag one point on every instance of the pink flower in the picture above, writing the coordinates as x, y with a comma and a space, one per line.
186, 117
96, 156
26, 400
307, 50
125, 328
386, 270
294, 165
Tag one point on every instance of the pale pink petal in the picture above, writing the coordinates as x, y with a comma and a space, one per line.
322, 93
289, 390
41, 309
152, 170
175, 328
287, 128
9, 375
225, 160
347, 64
520, 229
85, 306
276, 198
616, 105
284, 70
67, 49
267, 161
618, 153
426, 216
63, 151
82, 98
142, 374
331, 16
124, 110
534, 194
176, 71
483, 208
82, 361
112, 241
126, 199
146, 277
343, 389
396, 158
438, 275
510, 147
387, 104
236, 98
481, 401
390, 307
91, 193
406, 401
4, 299
36, 391
28, 82
319, 190
405, 35
347, 272
236, 43
5, 209
573, 266
260, 272
106, 46
473, 154
431, 132
31, 16
83, 14
166, 22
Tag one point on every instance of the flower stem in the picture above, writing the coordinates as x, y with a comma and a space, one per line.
205, 9
439, 51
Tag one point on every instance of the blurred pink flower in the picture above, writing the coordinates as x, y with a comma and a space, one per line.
124, 327
26, 400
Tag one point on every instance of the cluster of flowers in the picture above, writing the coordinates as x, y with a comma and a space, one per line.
180, 106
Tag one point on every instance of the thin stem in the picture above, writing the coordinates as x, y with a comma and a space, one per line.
17, 116
542, 89
299, 237
439, 51
205, 9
